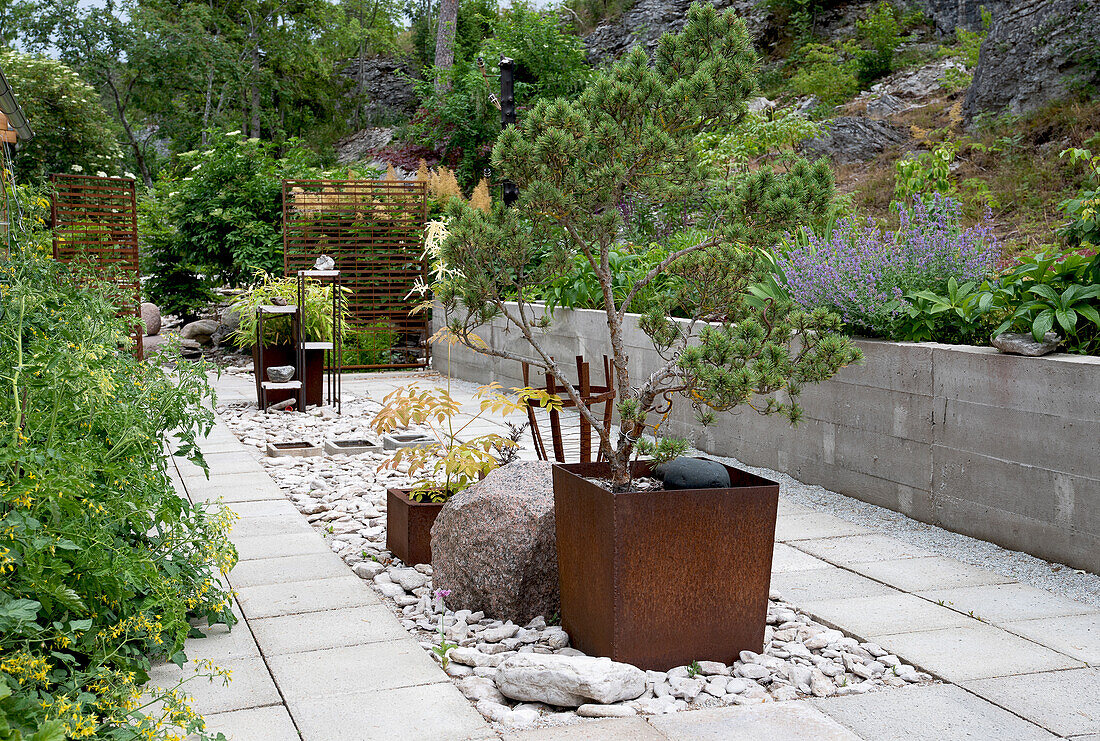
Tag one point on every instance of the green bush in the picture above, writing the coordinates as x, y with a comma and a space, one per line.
369, 344
72, 131
216, 217
1083, 210
316, 313
926, 174
827, 72
879, 34
104, 565
758, 135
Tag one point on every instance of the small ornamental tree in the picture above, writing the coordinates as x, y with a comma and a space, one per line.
629, 138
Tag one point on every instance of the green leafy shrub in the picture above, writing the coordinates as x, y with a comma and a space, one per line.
370, 343
216, 217
72, 131
104, 566
827, 72
316, 312
968, 44
879, 34
1083, 210
926, 174
757, 135
799, 16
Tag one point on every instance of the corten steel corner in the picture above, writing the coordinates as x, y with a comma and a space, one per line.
659, 579
409, 526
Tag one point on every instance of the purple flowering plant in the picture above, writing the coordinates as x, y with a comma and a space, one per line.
868, 274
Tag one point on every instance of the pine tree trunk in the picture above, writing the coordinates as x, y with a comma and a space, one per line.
445, 43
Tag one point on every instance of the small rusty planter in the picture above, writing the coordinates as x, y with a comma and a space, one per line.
662, 578
409, 526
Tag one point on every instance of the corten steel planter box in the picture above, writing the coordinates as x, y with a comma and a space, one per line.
284, 355
409, 526
662, 578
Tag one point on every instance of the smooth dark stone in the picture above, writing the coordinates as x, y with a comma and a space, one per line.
693, 473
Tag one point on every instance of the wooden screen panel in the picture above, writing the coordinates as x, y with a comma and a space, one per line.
374, 230
95, 222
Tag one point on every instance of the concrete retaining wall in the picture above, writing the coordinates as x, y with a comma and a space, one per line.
1000, 447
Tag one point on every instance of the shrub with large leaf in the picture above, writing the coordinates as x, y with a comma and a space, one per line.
629, 137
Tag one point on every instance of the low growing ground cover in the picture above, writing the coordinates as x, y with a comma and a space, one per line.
102, 566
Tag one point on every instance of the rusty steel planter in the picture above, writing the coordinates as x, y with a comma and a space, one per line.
409, 526
662, 578
284, 355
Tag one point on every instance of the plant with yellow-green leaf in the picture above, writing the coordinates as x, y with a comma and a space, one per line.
453, 460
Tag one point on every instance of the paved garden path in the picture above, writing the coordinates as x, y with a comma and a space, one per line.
318, 656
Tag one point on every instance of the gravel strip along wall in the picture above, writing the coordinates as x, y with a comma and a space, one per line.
1000, 447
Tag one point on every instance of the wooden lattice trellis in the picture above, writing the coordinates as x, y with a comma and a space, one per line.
95, 221
374, 230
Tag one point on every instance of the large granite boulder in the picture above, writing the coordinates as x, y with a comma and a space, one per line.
1036, 51
493, 545
568, 681
150, 317
199, 331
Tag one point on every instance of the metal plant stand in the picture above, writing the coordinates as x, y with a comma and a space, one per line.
590, 397
297, 383
334, 350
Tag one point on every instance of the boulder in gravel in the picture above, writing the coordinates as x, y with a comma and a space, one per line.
493, 545
568, 681
199, 331
150, 317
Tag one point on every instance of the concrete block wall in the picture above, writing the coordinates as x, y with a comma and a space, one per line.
1000, 447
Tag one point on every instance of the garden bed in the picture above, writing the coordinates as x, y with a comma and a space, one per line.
345, 498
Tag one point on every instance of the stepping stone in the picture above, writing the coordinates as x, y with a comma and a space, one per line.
922, 574
1075, 635
1002, 603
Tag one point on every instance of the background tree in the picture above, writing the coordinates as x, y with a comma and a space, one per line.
72, 131
445, 43
629, 136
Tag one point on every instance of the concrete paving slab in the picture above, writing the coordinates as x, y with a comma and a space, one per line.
234, 487
884, 614
1066, 703
221, 642
287, 569
266, 508
312, 631
934, 712
816, 525
433, 712
607, 729
256, 724
297, 544
272, 600
851, 549
974, 652
773, 721
1075, 635
786, 559
316, 675
251, 685
825, 584
920, 574
1002, 603
276, 525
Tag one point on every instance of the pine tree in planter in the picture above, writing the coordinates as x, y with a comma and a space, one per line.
579, 166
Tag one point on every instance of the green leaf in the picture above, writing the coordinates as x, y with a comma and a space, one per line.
51, 730
1090, 313
1042, 324
1067, 318
1046, 292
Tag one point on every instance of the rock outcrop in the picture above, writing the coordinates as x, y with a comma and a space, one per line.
494, 548
853, 139
1036, 51
386, 86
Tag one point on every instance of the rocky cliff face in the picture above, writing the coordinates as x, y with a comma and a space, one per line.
1036, 51
384, 82
947, 15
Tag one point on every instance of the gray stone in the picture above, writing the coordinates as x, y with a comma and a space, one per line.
1036, 51
686, 688
324, 262
199, 331
477, 689
494, 547
280, 373
590, 710
1024, 344
568, 681
850, 139
150, 317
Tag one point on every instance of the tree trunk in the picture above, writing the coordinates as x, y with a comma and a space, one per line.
445, 44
